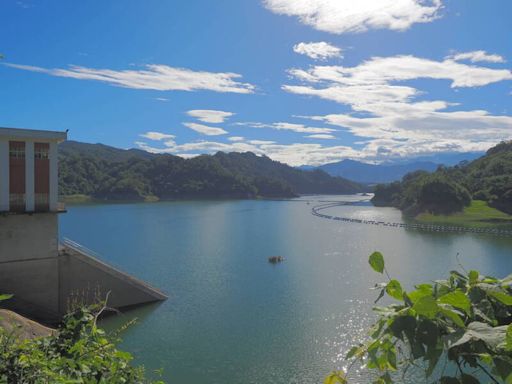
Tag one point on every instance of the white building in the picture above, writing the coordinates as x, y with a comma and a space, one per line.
29, 170
43, 275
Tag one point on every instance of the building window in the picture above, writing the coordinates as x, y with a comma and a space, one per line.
16, 150
41, 151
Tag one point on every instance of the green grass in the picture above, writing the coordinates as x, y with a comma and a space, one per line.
478, 214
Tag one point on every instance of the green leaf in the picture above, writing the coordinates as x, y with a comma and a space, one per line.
453, 316
421, 291
394, 289
377, 262
5, 297
356, 352
457, 299
476, 331
473, 277
503, 297
508, 338
426, 306
336, 377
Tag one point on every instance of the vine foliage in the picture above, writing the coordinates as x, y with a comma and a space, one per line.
455, 331
78, 352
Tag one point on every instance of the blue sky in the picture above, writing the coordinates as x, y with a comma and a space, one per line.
302, 81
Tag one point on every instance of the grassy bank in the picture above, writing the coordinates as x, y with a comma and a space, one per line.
77, 199
478, 214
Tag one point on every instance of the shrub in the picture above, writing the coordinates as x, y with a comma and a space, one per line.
456, 330
79, 352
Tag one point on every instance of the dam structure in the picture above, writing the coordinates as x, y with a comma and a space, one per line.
47, 277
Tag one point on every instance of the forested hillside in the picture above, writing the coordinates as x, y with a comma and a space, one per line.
109, 173
449, 189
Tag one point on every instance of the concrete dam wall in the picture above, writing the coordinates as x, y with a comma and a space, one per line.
46, 278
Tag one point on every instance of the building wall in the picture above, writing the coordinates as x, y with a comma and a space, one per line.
25, 237
29, 263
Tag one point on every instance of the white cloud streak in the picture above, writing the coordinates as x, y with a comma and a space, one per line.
205, 130
477, 56
283, 126
209, 115
350, 16
318, 51
321, 136
154, 76
157, 136
236, 138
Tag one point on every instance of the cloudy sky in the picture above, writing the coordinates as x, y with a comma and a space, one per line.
302, 81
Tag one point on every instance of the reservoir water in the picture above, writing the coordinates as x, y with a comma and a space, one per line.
234, 318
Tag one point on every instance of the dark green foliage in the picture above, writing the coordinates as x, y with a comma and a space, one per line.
79, 352
456, 330
488, 178
108, 173
421, 191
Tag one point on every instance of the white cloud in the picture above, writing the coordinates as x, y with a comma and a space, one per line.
294, 154
342, 16
388, 115
261, 142
321, 136
283, 126
236, 138
318, 51
161, 99
209, 115
477, 56
154, 76
205, 130
157, 136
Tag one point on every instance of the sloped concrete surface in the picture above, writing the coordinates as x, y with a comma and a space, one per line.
84, 279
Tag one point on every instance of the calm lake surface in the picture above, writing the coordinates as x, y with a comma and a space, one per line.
232, 317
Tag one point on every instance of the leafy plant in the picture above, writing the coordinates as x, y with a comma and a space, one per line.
456, 330
79, 352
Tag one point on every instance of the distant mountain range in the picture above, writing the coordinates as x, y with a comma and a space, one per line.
391, 171
109, 173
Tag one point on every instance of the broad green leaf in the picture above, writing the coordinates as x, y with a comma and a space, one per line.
336, 377
5, 297
453, 316
394, 289
503, 297
426, 306
456, 299
421, 291
377, 262
476, 331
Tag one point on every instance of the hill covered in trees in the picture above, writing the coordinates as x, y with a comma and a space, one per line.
450, 189
109, 173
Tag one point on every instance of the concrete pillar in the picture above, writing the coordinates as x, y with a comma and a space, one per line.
54, 176
29, 177
4, 175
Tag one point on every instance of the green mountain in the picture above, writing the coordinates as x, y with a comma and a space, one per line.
450, 189
105, 172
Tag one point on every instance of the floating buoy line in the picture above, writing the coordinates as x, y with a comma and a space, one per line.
316, 211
